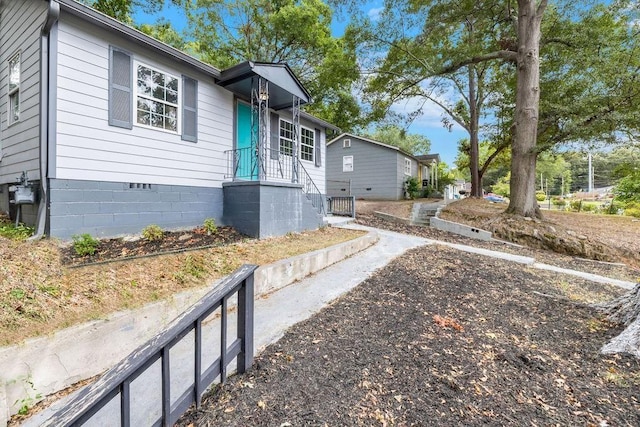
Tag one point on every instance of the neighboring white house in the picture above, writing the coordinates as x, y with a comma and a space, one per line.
369, 169
115, 130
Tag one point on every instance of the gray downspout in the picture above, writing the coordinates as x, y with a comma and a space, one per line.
43, 207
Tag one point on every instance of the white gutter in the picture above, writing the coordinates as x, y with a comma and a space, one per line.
43, 207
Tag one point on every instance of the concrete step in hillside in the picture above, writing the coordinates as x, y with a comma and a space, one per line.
422, 214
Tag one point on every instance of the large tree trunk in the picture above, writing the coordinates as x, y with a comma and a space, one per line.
624, 310
474, 152
523, 153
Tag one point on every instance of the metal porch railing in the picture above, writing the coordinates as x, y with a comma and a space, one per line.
116, 387
342, 205
273, 165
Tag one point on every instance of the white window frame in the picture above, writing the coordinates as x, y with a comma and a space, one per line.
407, 166
346, 143
177, 105
347, 163
308, 156
14, 93
285, 144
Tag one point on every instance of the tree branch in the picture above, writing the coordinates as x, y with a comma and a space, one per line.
506, 55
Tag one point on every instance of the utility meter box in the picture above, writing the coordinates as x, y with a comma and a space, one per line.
24, 195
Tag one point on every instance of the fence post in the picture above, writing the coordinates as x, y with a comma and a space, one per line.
245, 324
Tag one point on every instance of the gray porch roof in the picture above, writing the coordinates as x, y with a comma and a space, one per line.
283, 84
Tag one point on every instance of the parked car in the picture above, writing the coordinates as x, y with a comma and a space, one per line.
494, 198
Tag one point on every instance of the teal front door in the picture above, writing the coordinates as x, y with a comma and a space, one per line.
246, 157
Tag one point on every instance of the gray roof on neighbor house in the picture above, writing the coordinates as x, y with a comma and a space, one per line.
282, 82
420, 159
429, 158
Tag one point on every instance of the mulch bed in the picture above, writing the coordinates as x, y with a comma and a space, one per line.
172, 241
440, 337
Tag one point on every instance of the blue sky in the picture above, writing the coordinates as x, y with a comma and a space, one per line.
428, 124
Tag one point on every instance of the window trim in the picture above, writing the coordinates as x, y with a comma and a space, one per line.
136, 94
344, 163
15, 91
313, 147
407, 166
346, 143
281, 138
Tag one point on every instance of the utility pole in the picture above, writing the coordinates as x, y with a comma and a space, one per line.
590, 175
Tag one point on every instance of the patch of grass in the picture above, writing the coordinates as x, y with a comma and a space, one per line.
17, 293
10, 231
152, 233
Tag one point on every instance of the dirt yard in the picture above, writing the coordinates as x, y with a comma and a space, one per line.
442, 337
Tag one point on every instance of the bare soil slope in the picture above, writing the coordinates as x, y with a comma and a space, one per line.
600, 237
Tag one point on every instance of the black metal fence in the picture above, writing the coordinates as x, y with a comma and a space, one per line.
112, 394
345, 206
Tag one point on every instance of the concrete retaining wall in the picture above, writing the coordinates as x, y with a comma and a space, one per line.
42, 366
463, 230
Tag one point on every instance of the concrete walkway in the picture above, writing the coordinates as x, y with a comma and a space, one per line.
280, 310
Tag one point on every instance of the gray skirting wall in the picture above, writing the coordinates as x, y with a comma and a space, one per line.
116, 208
263, 209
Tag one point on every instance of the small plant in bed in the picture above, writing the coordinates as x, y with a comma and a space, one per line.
152, 233
84, 244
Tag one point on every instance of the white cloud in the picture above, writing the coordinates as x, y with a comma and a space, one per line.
374, 13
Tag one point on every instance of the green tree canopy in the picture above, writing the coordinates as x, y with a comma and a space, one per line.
123, 9
411, 143
297, 32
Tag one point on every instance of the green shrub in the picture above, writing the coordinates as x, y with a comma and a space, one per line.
152, 233
575, 205
558, 201
84, 244
210, 226
540, 196
628, 188
412, 187
611, 208
588, 207
632, 209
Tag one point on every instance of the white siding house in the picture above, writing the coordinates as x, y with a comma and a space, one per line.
121, 131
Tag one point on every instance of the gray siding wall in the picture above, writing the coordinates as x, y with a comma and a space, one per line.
317, 173
20, 24
375, 170
401, 175
106, 209
264, 209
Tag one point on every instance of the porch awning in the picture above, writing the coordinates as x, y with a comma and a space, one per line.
283, 84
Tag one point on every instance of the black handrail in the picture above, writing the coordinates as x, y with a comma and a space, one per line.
117, 380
